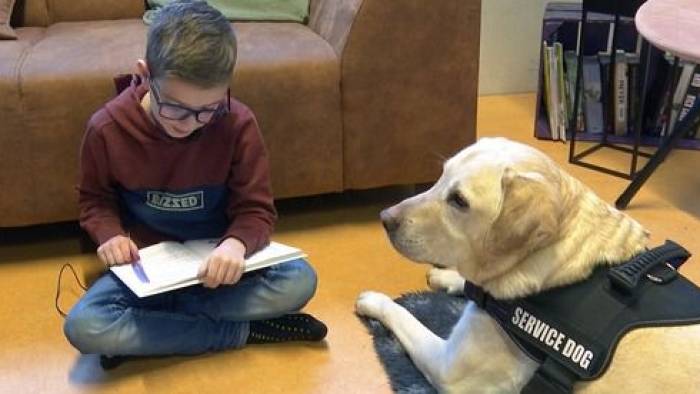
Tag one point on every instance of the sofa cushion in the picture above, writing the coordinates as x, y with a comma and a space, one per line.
65, 78
6, 32
250, 10
284, 72
17, 179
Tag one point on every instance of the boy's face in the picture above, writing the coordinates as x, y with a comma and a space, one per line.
181, 107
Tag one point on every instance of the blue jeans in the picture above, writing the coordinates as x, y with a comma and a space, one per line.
109, 319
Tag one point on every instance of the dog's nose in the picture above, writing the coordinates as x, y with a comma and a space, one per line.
391, 222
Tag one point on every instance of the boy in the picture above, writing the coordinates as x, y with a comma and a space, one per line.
175, 133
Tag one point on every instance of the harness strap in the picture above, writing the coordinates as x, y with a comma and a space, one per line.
501, 313
550, 378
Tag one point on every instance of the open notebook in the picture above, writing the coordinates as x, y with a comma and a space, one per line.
170, 265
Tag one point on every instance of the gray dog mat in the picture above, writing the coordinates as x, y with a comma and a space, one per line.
436, 310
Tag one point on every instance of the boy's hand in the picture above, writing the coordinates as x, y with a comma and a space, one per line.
225, 264
118, 250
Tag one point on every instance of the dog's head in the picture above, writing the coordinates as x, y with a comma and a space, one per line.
495, 202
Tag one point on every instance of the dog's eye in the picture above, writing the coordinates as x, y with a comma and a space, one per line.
457, 200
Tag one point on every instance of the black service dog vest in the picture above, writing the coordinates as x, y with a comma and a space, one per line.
572, 331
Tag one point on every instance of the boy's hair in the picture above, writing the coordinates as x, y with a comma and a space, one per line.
193, 41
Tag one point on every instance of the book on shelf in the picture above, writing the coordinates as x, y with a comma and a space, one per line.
171, 265
555, 90
634, 86
687, 71
620, 93
633, 91
690, 100
562, 98
571, 72
662, 110
547, 97
593, 94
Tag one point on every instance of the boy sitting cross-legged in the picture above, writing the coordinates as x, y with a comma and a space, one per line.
176, 133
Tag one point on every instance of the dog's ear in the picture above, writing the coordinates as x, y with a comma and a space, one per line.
528, 217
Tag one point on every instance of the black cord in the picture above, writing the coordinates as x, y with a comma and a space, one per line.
58, 286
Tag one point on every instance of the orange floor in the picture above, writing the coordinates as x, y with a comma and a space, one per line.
343, 239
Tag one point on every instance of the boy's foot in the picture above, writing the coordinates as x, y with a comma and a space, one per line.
111, 362
292, 327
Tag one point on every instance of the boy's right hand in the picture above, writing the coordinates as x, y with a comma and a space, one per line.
118, 250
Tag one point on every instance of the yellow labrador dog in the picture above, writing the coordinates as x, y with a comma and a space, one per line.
508, 219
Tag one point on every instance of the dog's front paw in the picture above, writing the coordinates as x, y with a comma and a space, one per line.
447, 280
372, 304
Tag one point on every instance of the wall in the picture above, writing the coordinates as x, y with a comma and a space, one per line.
510, 45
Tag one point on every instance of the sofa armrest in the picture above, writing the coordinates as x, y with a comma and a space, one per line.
409, 84
332, 20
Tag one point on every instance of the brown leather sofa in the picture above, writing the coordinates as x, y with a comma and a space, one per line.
368, 93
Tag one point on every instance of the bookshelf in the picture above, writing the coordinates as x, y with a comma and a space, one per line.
561, 24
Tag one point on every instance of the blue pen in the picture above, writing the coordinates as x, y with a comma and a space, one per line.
139, 271
138, 268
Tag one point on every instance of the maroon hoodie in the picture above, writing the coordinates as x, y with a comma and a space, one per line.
136, 179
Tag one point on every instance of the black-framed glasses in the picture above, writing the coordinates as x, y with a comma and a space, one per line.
179, 112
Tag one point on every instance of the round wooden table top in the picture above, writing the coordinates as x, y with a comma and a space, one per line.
672, 25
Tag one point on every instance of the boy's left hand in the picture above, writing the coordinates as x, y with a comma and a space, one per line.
225, 264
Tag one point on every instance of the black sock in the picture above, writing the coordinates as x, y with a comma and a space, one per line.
111, 362
292, 327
